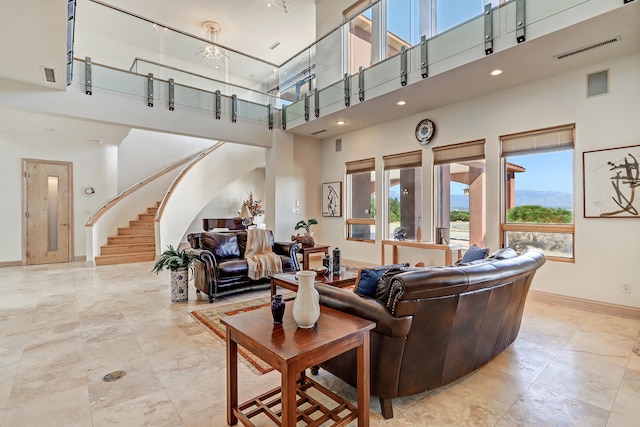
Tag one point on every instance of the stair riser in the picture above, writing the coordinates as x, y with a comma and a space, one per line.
126, 240
127, 249
124, 259
141, 224
147, 217
136, 232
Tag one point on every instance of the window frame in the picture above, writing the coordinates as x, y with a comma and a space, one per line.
562, 145
399, 161
352, 168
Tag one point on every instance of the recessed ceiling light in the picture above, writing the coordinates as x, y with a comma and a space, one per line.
401, 102
495, 72
340, 122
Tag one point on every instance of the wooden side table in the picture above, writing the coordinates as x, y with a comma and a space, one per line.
306, 250
447, 249
291, 350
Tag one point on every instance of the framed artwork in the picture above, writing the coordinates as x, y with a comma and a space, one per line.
332, 198
611, 181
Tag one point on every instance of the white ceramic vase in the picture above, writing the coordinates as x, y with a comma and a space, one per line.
306, 306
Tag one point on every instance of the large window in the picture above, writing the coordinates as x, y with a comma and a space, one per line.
361, 200
459, 177
403, 194
538, 192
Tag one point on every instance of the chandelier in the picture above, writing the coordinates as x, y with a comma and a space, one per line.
212, 51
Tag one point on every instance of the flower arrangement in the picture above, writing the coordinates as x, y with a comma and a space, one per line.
255, 206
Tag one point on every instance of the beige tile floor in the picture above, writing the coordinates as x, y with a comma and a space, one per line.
63, 327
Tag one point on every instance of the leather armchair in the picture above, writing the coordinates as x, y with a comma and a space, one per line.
437, 325
221, 267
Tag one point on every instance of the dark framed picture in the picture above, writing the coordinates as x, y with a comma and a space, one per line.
332, 198
611, 181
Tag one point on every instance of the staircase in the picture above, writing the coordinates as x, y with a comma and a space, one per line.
135, 243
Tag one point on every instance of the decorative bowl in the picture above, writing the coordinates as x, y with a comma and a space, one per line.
320, 270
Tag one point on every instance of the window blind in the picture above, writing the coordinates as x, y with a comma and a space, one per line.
357, 166
456, 153
544, 140
412, 159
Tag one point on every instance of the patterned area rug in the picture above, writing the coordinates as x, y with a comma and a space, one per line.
210, 317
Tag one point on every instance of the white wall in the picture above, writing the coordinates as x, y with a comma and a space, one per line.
228, 201
606, 254
143, 153
93, 164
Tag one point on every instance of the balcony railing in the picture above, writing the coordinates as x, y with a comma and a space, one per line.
313, 82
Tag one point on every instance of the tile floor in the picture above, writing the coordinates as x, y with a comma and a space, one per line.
63, 327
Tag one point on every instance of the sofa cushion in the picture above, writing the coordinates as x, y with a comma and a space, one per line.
367, 280
384, 284
474, 253
223, 245
233, 267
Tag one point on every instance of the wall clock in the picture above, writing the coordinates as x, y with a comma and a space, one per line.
425, 130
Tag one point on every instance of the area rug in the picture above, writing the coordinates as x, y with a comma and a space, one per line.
210, 318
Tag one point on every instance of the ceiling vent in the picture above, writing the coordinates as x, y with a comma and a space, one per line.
586, 48
49, 74
320, 131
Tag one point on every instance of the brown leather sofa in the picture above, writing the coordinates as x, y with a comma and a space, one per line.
438, 324
221, 267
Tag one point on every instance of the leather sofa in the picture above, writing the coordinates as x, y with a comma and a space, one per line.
437, 324
221, 268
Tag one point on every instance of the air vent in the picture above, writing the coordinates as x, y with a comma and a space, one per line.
320, 131
338, 145
275, 45
586, 48
49, 74
598, 83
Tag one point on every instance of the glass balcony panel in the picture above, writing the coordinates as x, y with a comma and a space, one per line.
538, 10
459, 39
382, 72
295, 111
402, 25
120, 81
360, 35
332, 94
329, 59
252, 111
297, 76
197, 98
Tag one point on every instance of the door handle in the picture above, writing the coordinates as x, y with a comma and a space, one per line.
65, 223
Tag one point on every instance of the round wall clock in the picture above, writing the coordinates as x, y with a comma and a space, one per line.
425, 131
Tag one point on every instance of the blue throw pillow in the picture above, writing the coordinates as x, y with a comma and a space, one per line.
474, 253
368, 278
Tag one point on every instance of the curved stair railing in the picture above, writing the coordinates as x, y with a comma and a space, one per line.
116, 212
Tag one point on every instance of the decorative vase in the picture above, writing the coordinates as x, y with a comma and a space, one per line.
336, 261
277, 309
306, 306
180, 284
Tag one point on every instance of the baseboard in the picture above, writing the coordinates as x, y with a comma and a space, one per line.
10, 264
585, 304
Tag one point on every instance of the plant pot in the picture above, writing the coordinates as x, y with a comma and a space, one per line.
180, 284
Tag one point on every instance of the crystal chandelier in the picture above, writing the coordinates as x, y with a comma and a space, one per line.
212, 52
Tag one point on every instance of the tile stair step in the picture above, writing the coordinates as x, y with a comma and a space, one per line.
125, 258
127, 240
136, 232
128, 248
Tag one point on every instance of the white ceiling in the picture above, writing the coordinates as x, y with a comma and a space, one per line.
39, 31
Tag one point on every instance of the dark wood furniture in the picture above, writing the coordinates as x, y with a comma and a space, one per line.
288, 280
307, 250
291, 350
231, 223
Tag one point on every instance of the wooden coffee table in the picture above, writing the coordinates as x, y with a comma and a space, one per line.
291, 350
307, 250
289, 281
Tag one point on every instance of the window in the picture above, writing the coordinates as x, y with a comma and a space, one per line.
538, 191
403, 194
460, 192
361, 196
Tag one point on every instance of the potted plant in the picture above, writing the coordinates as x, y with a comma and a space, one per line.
306, 225
178, 261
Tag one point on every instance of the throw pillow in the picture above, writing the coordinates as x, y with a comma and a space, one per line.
368, 278
504, 253
474, 253
223, 245
384, 284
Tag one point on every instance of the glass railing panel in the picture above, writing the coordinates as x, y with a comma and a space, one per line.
297, 76
382, 72
329, 59
332, 95
459, 39
295, 110
252, 111
538, 10
120, 81
196, 98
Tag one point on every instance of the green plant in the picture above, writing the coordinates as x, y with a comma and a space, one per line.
539, 214
173, 259
306, 224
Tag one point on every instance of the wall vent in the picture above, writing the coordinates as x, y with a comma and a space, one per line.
320, 131
587, 48
49, 74
338, 145
598, 83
